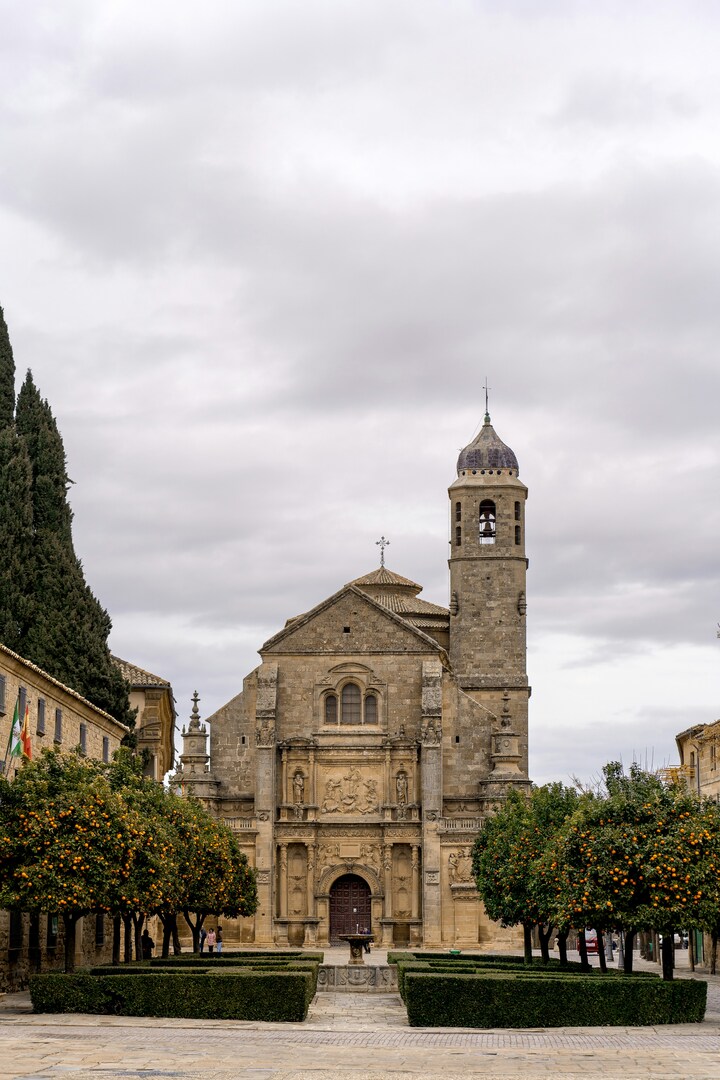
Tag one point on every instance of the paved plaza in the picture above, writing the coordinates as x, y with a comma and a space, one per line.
346, 1037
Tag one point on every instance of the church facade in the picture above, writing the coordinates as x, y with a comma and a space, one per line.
360, 758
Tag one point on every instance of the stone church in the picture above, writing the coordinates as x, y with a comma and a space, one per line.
361, 756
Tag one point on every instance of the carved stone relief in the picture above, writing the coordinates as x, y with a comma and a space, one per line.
351, 792
460, 866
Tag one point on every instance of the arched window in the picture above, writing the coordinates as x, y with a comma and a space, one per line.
458, 535
518, 535
331, 709
370, 709
517, 511
487, 519
351, 701
458, 511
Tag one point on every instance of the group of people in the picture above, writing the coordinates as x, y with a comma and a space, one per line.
213, 939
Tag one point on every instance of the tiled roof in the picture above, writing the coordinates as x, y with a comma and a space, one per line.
383, 576
56, 682
411, 605
136, 676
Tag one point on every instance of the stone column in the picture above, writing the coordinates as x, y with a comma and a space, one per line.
283, 885
387, 924
312, 797
311, 849
265, 800
415, 880
432, 799
284, 798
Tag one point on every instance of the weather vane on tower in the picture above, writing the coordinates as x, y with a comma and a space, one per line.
487, 390
383, 543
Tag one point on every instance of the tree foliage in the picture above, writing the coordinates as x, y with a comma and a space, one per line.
47, 612
508, 858
79, 837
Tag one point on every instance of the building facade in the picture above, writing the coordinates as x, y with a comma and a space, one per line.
60, 718
360, 758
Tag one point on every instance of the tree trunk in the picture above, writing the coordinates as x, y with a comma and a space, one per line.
70, 921
691, 949
138, 921
177, 948
544, 936
582, 949
197, 926
562, 946
167, 933
628, 957
127, 943
668, 955
527, 942
601, 951
117, 923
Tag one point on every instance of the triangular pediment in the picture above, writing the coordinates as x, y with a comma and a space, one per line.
350, 622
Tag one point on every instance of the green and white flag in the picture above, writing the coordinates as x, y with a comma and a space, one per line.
15, 746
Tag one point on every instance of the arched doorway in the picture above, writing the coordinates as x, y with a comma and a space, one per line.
349, 906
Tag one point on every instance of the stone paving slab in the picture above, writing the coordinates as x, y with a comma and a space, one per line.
346, 1037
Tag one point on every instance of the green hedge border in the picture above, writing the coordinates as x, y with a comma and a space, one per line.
232, 994
502, 1000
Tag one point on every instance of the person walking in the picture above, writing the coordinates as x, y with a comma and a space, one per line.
211, 939
218, 940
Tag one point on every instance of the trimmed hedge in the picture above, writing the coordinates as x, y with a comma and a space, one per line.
501, 1000
228, 995
254, 959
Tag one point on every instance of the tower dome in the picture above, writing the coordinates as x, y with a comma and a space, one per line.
486, 451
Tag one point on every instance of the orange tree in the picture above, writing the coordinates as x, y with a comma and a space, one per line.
186, 861
516, 884
66, 841
213, 873
635, 858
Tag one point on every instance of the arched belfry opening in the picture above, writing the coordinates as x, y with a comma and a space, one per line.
350, 911
487, 521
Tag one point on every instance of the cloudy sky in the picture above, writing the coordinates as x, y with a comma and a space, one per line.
260, 256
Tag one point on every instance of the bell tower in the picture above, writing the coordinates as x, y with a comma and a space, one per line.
488, 601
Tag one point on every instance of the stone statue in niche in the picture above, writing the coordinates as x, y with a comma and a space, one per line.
401, 788
298, 793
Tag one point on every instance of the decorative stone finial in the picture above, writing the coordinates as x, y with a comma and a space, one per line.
195, 715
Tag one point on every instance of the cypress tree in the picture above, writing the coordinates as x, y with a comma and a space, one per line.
16, 540
68, 633
7, 376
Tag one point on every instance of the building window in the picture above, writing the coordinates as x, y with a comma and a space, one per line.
52, 930
83, 738
106, 749
3, 691
713, 756
518, 535
487, 521
458, 511
22, 702
58, 726
351, 708
331, 709
458, 535
41, 716
517, 511
99, 930
351, 704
